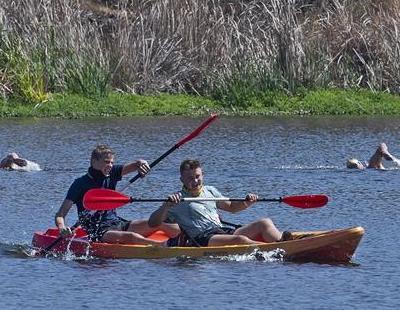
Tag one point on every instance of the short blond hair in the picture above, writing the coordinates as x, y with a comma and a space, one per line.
101, 151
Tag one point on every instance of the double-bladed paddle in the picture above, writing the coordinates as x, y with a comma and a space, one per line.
107, 199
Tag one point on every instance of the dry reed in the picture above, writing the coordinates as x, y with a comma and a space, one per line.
199, 46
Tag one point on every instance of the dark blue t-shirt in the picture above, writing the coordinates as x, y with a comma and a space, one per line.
89, 219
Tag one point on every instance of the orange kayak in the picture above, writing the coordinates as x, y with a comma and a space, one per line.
334, 246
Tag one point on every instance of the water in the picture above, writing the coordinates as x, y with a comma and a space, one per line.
271, 156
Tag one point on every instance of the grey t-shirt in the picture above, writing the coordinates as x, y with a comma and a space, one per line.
196, 217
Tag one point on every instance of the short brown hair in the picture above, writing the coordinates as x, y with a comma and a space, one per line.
189, 164
100, 152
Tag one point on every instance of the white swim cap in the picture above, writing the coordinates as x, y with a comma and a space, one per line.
354, 163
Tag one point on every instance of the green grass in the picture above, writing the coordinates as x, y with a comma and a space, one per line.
316, 102
324, 102
115, 104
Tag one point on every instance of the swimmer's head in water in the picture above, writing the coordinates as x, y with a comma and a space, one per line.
13, 159
354, 163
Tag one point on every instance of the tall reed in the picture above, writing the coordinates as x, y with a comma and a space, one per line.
231, 50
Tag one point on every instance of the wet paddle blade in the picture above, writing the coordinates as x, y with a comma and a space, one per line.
104, 199
306, 201
186, 139
198, 130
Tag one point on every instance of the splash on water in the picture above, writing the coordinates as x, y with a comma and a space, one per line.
28, 251
302, 167
276, 255
31, 166
328, 167
69, 255
392, 168
16, 250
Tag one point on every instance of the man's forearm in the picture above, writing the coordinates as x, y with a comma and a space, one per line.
158, 216
237, 206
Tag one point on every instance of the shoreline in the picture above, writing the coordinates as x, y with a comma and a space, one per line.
116, 104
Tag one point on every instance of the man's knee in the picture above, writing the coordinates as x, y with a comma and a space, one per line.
129, 237
240, 239
265, 222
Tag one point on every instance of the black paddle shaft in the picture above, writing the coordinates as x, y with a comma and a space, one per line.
155, 162
189, 137
131, 199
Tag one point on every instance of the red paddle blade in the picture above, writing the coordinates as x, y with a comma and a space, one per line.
104, 199
198, 130
306, 201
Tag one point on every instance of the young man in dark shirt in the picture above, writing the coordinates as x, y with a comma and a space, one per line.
107, 226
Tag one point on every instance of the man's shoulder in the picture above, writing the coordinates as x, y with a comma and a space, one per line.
79, 186
210, 187
213, 190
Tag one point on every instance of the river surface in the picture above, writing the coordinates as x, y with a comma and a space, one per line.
271, 156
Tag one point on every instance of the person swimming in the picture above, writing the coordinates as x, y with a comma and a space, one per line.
13, 162
376, 160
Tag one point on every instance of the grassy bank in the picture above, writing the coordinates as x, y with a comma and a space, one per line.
248, 56
115, 104
320, 102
